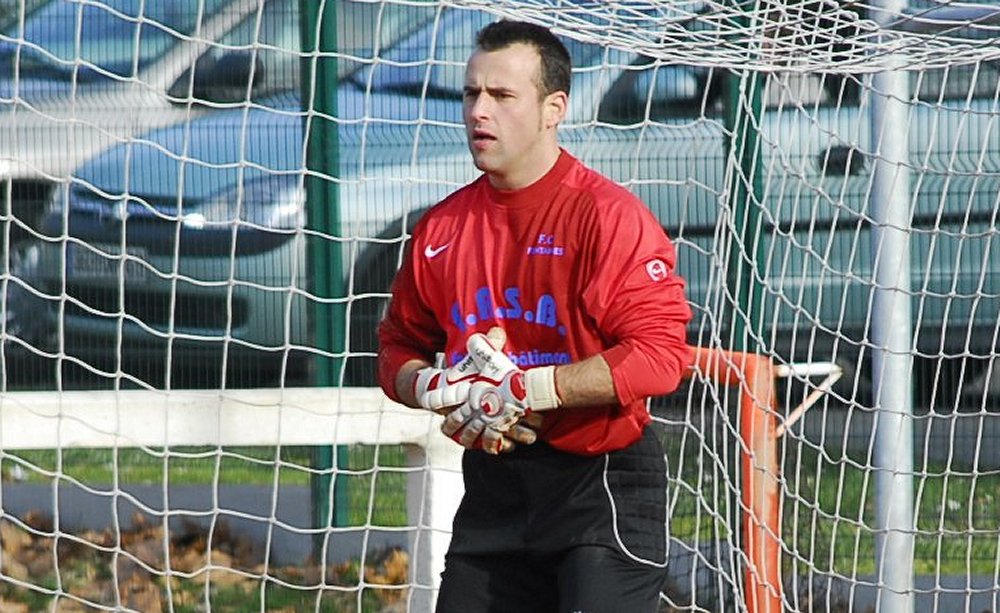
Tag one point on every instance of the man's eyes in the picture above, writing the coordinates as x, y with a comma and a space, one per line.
498, 95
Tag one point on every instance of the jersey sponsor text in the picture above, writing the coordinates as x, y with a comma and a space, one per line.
487, 308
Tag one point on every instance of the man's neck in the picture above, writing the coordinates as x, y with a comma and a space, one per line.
528, 173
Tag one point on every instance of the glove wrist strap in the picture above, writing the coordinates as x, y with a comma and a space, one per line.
540, 385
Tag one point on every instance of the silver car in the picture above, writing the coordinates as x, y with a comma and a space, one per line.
654, 126
76, 79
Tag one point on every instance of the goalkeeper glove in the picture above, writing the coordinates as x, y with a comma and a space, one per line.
493, 408
498, 398
531, 390
436, 387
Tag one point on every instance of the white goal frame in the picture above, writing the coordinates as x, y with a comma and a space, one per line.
256, 417
318, 416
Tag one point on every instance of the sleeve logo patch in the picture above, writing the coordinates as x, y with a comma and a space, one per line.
657, 270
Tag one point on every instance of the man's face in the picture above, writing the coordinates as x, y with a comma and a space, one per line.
507, 122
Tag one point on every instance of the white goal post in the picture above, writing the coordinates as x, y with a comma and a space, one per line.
258, 417
278, 417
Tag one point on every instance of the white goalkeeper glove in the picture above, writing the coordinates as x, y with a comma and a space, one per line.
498, 397
436, 387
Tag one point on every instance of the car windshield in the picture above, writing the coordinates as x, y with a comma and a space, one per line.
74, 39
270, 39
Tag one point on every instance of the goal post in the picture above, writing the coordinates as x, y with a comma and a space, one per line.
754, 378
762, 422
364, 416
268, 418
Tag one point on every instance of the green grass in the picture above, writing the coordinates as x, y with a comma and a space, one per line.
829, 503
373, 479
275, 598
829, 516
191, 598
376, 486
177, 466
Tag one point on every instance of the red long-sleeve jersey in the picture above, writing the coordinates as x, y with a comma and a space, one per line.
570, 266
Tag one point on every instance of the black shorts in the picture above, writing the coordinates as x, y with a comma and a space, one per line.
567, 532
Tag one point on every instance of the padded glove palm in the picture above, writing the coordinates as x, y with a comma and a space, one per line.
497, 398
437, 388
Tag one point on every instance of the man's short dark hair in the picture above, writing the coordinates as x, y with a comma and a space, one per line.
555, 61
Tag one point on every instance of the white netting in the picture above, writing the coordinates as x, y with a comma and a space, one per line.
800, 35
154, 165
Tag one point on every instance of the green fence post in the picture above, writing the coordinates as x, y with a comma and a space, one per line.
325, 260
743, 104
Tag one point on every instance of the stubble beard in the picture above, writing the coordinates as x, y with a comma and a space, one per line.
481, 159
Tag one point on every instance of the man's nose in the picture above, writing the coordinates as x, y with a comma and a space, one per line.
480, 106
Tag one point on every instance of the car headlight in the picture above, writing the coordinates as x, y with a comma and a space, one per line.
275, 202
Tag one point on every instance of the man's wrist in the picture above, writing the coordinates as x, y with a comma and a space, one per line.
406, 380
540, 384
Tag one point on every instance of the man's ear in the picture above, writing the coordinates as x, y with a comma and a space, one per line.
554, 108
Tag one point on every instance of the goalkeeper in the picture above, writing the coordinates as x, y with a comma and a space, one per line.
551, 293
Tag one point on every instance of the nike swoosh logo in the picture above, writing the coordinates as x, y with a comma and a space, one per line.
432, 252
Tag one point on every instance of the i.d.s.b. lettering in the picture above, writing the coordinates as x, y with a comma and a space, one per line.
512, 304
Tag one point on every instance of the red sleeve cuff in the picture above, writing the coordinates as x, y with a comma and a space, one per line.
638, 375
390, 360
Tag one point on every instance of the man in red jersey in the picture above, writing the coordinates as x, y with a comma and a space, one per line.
551, 292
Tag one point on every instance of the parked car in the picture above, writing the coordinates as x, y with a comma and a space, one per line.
77, 78
153, 262
242, 194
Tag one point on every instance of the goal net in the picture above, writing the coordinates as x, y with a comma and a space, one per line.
203, 203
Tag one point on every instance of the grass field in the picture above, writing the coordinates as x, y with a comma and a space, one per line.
828, 511
829, 515
368, 467
40, 572
831, 518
